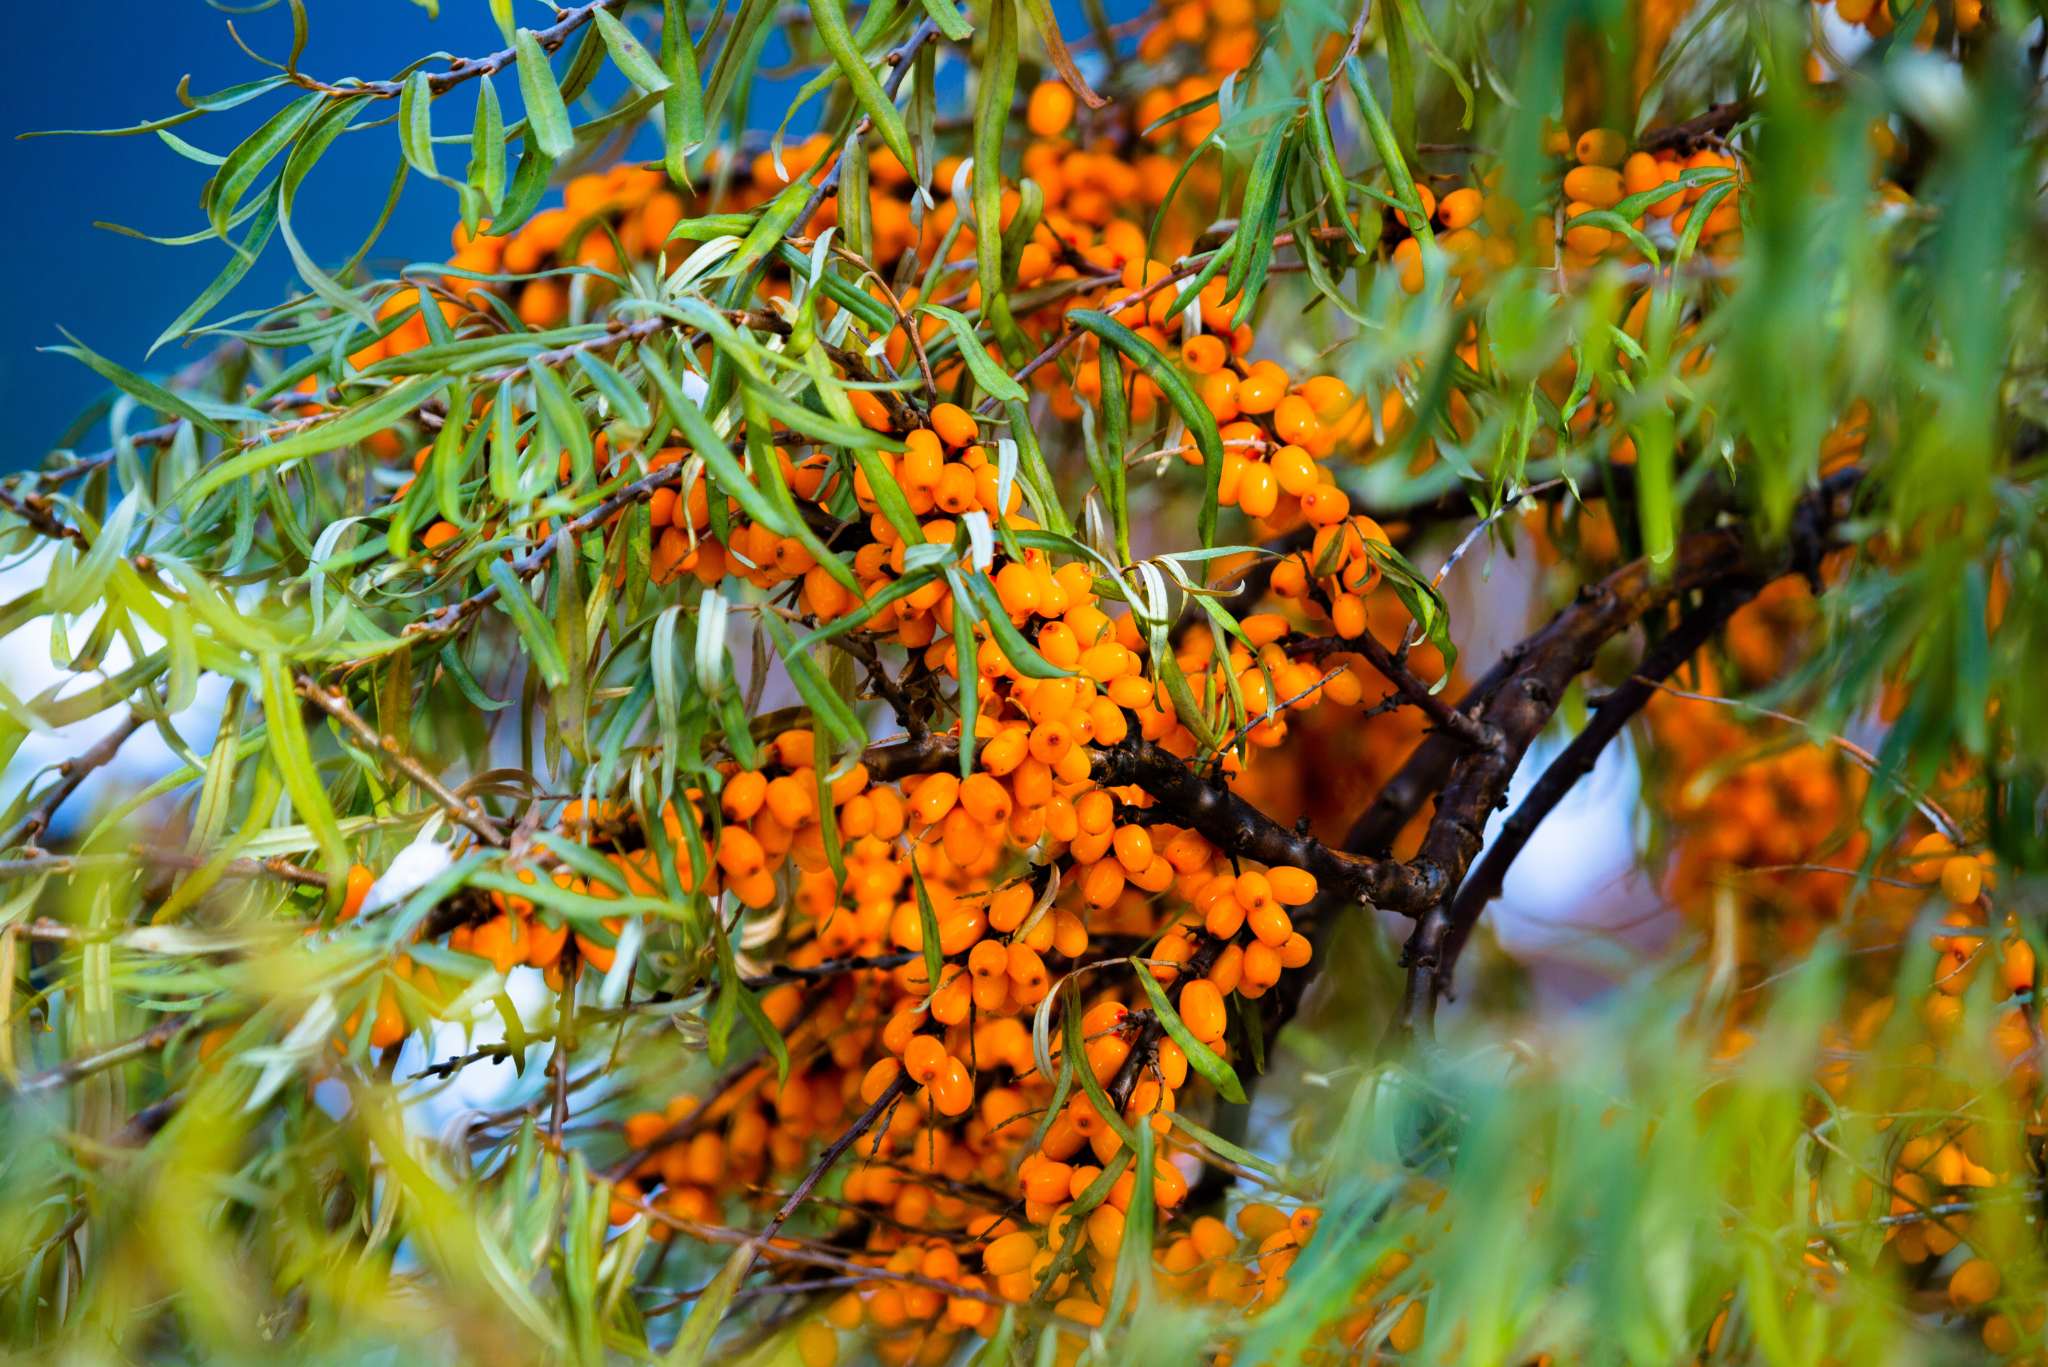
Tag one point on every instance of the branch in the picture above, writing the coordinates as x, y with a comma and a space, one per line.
1235, 826
71, 775
1717, 120
462, 69
1577, 760
468, 812
1461, 725
1542, 667
76, 1070
891, 1094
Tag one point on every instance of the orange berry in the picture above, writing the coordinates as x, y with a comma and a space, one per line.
1050, 109
1201, 1010
1600, 147
954, 424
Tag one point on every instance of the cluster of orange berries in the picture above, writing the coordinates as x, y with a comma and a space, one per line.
1786, 819
1482, 230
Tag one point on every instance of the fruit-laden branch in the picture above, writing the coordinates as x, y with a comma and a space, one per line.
1208, 806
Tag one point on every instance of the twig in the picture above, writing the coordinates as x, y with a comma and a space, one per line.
62, 865
468, 812
861, 1125
1433, 705
76, 1070
461, 69
71, 775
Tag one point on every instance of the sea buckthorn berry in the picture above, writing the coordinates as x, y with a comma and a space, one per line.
880, 1076
1962, 879
1050, 109
1013, 1252
1600, 147
1291, 887
924, 1058
954, 424
1201, 1010
1973, 1283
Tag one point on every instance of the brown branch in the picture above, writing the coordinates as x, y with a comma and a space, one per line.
71, 775
1235, 826
830, 968
1684, 136
1523, 702
1577, 760
1461, 725
461, 69
447, 619
467, 812
64, 865
891, 1094
76, 1070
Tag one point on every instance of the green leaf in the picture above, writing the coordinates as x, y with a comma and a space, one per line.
565, 421
147, 391
294, 759
727, 476
828, 708
1076, 1048
246, 162
693, 1344
1223, 1148
1389, 148
244, 256
682, 103
625, 402
1201, 423
487, 149
1020, 652
230, 98
991, 377
535, 631
928, 930
529, 187
829, 19
955, 28
628, 55
416, 124
1201, 1057
997, 88
546, 116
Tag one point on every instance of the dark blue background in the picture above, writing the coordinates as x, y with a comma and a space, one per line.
108, 63
99, 63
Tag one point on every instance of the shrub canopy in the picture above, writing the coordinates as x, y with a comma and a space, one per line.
869, 726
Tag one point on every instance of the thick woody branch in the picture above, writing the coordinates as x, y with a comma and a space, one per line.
1523, 702
1577, 760
1236, 827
